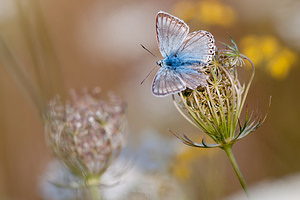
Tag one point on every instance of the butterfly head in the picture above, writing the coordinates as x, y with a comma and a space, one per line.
160, 63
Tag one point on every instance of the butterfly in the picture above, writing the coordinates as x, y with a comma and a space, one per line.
184, 54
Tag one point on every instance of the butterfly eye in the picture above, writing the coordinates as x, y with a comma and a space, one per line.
158, 63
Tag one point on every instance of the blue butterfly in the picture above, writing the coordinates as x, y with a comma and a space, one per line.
184, 54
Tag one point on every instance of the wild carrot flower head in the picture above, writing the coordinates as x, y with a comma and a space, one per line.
216, 108
86, 133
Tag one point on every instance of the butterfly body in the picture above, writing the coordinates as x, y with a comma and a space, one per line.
177, 62
184, 54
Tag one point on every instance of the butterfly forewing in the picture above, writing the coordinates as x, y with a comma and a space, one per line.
167, 82
198, 48
171, 32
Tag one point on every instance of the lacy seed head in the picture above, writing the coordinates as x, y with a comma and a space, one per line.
216, 108
86, 133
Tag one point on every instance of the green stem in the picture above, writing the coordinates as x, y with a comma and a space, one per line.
93, 187
228, 150
94, 191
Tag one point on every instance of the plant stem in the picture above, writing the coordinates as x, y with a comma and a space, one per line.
93, 188
228, 150
94, 191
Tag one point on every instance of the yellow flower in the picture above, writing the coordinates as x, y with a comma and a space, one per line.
206, 12
185, 160
269, 46
280, 66
185, 10
215, 13
267, 52
250, 48
181, 171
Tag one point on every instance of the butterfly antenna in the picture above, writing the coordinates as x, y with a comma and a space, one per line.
148, 51
148, 75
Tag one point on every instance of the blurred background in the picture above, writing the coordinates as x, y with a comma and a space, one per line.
62, 45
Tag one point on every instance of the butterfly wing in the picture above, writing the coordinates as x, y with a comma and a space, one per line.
167, 81
198, 48
194, 50
170, 33
191, 77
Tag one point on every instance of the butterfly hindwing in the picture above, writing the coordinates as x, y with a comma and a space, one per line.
167, 81
191, 77
170, 32
198, 48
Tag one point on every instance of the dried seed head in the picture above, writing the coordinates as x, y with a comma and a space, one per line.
216, 108
86, 133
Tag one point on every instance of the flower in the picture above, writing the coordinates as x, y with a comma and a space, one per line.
215, 109
231, 56
86, 133
267, 53
280, 66
206, 12
185, 159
